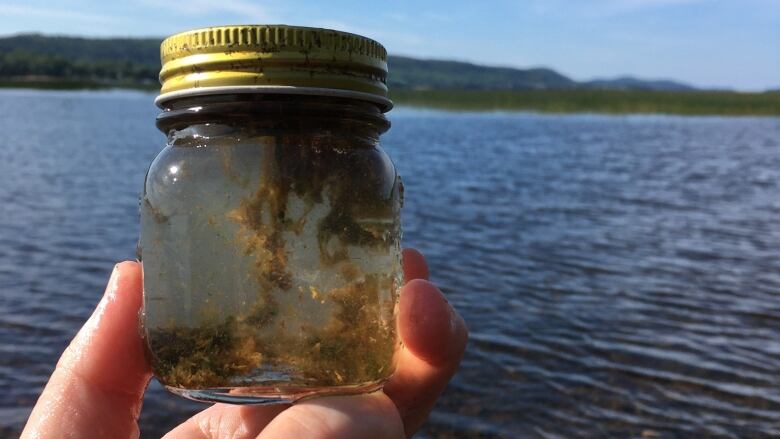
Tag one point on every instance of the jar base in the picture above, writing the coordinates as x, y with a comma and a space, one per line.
269, 395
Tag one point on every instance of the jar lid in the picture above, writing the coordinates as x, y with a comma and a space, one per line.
273, 59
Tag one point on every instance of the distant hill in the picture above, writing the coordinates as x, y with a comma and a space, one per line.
135, 61
112, 61
145, 51
412, 73
632, 83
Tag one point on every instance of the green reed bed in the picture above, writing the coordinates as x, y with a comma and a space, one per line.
596, 101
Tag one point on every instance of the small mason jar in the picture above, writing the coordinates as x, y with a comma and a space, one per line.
270, 231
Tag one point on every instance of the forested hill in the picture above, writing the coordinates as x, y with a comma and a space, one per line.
135, 61
127, 60
138, 59
412, 73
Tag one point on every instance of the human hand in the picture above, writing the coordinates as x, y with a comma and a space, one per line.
97, 388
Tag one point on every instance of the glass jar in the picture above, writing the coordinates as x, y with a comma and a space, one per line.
270, 231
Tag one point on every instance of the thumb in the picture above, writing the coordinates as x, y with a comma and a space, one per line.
97, 387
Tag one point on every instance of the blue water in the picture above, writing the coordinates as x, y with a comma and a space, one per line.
620, 274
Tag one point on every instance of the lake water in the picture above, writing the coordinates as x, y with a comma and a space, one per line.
620, 274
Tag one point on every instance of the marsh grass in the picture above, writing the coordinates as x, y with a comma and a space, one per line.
596, 101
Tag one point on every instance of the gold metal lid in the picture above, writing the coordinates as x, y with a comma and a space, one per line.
273, 59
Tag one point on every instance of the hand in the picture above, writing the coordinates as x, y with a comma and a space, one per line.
98, 385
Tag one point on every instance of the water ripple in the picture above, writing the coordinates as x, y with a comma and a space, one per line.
620, 275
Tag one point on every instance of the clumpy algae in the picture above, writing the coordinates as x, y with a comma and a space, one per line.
205, 356
334, 332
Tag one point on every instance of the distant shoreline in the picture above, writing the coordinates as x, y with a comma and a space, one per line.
723, 103
55, 83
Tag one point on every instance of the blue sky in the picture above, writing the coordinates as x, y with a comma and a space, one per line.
709, 43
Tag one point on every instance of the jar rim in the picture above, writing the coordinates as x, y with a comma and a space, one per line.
383, 103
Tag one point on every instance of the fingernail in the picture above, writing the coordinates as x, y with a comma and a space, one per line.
453, 320
84, 337
108, 296
113, 285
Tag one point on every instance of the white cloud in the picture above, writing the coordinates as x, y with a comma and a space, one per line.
394, 41
601, 8
50, 13
618, 7
246, 11
643, 4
